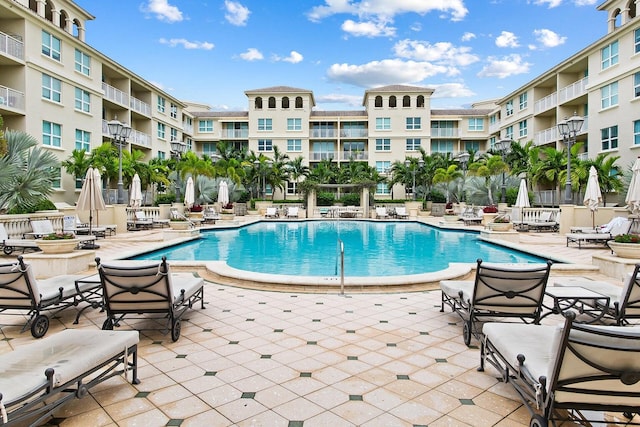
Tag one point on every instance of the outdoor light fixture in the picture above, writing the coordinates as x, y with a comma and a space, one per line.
119, 132
178, 148
569, 128
407, 163
503, 147
463, 158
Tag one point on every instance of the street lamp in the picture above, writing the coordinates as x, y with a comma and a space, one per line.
120, 132
463, 158
569, 128
503, 147
178, 148
407, 163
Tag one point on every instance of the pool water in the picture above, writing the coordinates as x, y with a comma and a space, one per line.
310, 248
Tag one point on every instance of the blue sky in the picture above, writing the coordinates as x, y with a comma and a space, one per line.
211, 51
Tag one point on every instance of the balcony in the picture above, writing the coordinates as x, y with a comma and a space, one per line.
494, 127
115, 95
353, 133
354, 155
324, 133
573, 91
550, 135
235, 133
140, 107
187, 128
10, 98
322, 156
546, 103
445, 133
137, 137
11, 46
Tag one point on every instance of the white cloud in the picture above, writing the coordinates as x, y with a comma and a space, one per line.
294, 57
551, 3
351, 100
187, 44
467, 36
507, 39
451, 90
164, 11
548, 38
237, 14
441, 52
385, 72
416, 26
252, 54
584, 2
368, 28
387, 9
504, 67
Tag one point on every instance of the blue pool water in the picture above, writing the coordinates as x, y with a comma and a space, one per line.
310, 248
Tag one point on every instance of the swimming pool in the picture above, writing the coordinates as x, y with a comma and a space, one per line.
310, 248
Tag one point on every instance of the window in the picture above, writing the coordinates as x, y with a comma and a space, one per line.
161, 104
420, 101
636, 132
174, 134
83, 62
508, 132
609, 138
272, 102
51, 88
162, 155
472, 145
383, 123
636, 43
609, 95
292, 187
493, 119
523, 100
209, 148
82, 100
413, 144
383, 144
441, 146
161, 130
205, 125
609, 55
378, 102
83, 140
636, 84
413, 123
393, 102
522, 129
383, 166
443, 128
285, 102
51, 46
353, 150
294, 124
382, 189
294, 145
476, 124
509, 107
173, 111
51, 134
56, 182
265, 145
258, 103
406, 101
299, 102
323, 150
265, 124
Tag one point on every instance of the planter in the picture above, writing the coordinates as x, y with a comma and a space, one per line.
625, 250
179, 225
451, 218
227, 215
62, 246
487, 218
500, 226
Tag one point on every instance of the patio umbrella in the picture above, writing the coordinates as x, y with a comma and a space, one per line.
189, 193
223, 193
522, 201
592, 194
633, 194
135, 192
90, 199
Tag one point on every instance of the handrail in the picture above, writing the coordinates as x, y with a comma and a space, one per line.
340, 259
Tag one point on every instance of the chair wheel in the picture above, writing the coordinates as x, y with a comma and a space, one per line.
39, 326
107, 325
538, 421
466, 333
175, 330
8, 250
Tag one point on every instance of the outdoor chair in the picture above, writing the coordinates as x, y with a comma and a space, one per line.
567, 372
401, 212
134, 288
604, 228
471, 216
292, 212
381, 212
20, 292
548, 221
44, 227
505, 291
620, 227
271, 213
210, 215
10, 245
37, 378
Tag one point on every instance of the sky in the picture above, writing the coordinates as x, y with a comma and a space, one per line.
212, 51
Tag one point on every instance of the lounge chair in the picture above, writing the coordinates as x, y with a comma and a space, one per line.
292, 212
548, 221
471, 216
210, 215
381, 213
271, 213
44, 227
401, 212
620, 227
10, 245
37, 378
133, 288
142, 218
498, 291
566, 372
604, 228
20, 292
82, 228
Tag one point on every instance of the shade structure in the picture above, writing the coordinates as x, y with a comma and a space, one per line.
90, 198
223, 193
592, 194
522, 201
135, 192
633, 194
189, 193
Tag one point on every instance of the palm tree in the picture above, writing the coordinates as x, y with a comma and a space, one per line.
552, 164
105, 158
297, 170
486, 167
609, 174
446, 176
77, 164
195, 166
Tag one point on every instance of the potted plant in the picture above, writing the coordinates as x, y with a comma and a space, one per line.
57, 243
449, 213
626, 246
489, 213
501, 223
179, 223
227, 211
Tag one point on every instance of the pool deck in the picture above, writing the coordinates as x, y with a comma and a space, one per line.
281, 357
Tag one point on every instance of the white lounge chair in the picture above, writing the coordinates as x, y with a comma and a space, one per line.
37, 378
292, 212
44, 227
547, 221
271, 213
604, 228
133, 288
210, 215
142, 220
10, 245
619, 227
401, 212
381, 212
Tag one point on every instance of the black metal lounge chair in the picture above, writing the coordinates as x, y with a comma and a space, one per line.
133, 288
37, 378
512, 291
10, 245
621, 227
565, 373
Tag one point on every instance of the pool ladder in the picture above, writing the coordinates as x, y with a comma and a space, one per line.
340, 264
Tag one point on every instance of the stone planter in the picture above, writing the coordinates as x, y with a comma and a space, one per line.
488, 218
625, 250
62, 246
179, 225
227, 215
451, 218
500, 226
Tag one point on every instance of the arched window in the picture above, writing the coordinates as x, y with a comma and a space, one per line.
420, 101
272, 102
298, 102
48, 12
285, 102
378, 101
63, 20
632, 9
76, 28
406, 101
33, 5
258, 103
393, 102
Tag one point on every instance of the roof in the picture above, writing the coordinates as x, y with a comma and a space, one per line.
344, 113
278, 89
244, 114
400, 88
462, 112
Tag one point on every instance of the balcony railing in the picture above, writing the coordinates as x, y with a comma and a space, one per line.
574, 90
140, 106
546, 103
323, 156
445, 133
353, 133
115, 95
494, 127
137, 137
11, 46
324, 133
235, 133
354, 155
550, 135
11, 98
187, 128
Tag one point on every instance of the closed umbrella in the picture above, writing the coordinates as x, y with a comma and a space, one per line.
135, 192
522, 201
223, 193
592, 194
189, 194
633, 194
90, 199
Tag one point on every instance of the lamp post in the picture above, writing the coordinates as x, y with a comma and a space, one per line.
503, 147
569, 128
178, 148
120, 132
407, 163
463, 158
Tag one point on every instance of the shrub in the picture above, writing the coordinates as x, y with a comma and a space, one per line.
325, 199
627, 238
436, 196
351, 199
59, 236
42, 205
165, 199
490, 209
245, 196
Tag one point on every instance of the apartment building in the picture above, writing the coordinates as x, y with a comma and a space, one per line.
62, 91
